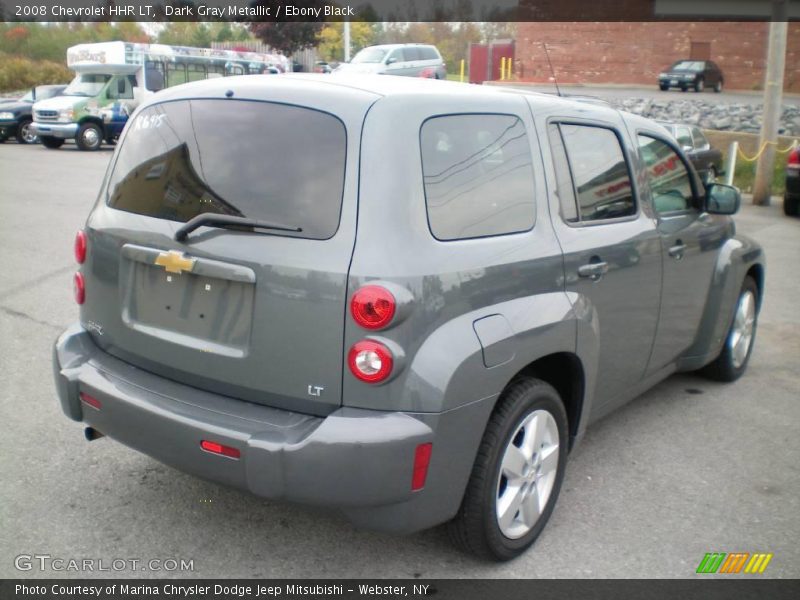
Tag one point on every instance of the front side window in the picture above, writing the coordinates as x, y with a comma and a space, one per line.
395, 56
670, 183
272, 162
478, 176
369, 55
600, 174
122, 87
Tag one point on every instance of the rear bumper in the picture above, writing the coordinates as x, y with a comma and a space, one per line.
359, 461
64, 131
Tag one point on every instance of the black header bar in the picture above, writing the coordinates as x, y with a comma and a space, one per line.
392, 10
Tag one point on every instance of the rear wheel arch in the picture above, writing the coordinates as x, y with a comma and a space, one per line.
565, 372
756, 273
498, 519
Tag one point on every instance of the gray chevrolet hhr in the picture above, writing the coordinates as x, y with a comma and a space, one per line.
401, 298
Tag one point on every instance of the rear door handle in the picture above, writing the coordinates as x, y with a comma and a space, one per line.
594, 270
677, 250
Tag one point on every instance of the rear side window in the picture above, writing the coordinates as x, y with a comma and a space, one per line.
272, 162
411, 54
428, 53
600, 175
478, 176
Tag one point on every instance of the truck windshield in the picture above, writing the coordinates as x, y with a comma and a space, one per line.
369, 55
86, 84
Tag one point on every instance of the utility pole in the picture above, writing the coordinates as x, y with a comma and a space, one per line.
347, 40
773, 102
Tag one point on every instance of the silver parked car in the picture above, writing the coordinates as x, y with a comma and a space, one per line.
410, 60
418, 319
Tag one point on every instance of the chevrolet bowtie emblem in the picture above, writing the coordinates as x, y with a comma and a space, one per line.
175, 262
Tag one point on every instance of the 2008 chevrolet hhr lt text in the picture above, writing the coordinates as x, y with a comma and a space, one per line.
402, 298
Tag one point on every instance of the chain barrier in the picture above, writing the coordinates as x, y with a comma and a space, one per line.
754, 158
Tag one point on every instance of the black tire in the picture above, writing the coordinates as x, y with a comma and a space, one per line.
725, 367
791, 206
718, 86
699, 85
51, 142
475, 528
663, 87
684, 88
3, 139
89, 137
24, 135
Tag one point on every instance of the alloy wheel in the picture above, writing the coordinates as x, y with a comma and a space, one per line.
27, 134
528, 471
743, 325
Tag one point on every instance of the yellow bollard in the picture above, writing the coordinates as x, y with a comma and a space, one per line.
462, 71
502, 68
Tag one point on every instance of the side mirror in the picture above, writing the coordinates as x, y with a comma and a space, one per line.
722, 199
391, 61
687, 148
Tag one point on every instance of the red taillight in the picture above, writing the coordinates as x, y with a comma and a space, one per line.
373, 307
794, 157
370, 361
80, 247
220, 449
91, 401
79, 288
422, 458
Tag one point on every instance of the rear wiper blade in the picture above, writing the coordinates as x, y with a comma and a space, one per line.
219, 220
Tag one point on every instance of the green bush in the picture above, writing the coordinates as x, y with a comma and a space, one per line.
19, 73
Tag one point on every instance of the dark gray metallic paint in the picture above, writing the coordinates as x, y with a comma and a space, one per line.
472, 314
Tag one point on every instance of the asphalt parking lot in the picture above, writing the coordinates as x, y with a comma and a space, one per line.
688, 468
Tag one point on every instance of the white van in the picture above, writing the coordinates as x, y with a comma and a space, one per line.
411, 60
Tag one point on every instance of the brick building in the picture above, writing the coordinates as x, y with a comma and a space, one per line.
591, 52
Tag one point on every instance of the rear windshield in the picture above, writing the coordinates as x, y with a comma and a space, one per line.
272, 162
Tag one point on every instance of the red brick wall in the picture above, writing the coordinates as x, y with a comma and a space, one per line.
586, 52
